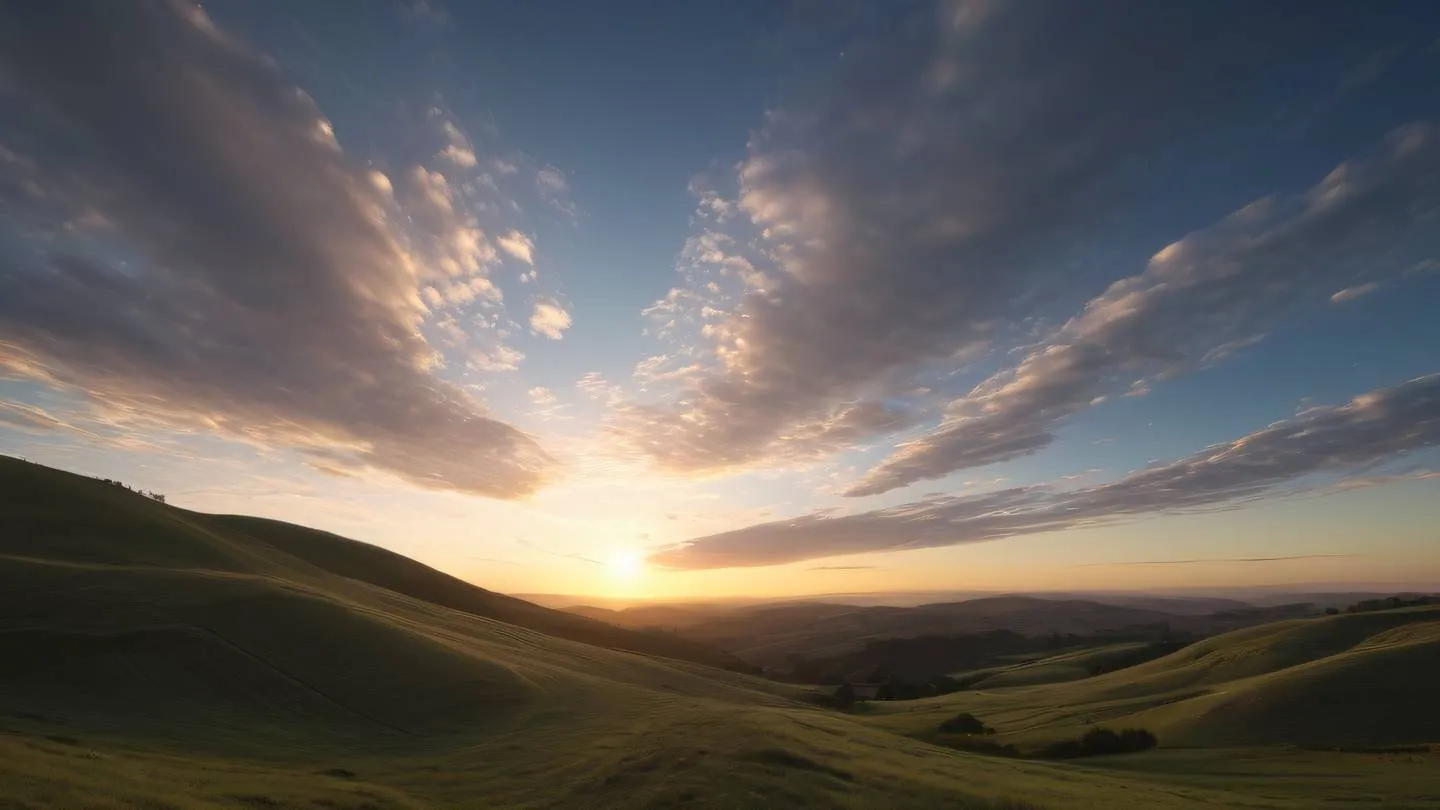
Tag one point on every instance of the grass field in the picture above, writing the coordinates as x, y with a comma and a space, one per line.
1356, 681
152, 657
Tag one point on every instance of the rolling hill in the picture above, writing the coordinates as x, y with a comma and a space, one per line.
64, 517
153, 657
768, 635
1353, 681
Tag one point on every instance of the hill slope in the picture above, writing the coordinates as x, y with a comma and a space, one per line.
152, 657
61, 516
1353, 680
768, 635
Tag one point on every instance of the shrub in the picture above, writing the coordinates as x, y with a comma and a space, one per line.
965, 723
1101, 742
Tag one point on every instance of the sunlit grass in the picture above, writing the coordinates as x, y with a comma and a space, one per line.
157, 658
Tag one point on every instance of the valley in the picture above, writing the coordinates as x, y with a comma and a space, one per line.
154, 657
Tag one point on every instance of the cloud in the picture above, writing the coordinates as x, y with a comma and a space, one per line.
518, 245
543, 397
1351, 293
552, 180
458, 150
250, 279
454, 253
553, 188
34, 419
1226, 560
1359, 482
549, 320
1373, 427
595, 387
907, 214
1371, 68
1197, 301
462, 156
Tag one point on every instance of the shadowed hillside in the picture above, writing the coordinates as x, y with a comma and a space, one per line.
152, 657
76, 519
386, 569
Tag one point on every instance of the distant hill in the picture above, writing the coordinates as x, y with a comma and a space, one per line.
769, 635
1353, 680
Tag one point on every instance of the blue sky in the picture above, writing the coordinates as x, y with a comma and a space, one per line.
782, 297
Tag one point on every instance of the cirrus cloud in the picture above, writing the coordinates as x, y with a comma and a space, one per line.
908, 216
1198, 300
1373, 427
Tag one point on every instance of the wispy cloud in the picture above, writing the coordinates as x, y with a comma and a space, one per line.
1373, 427
241, 273
1351, 293
903, 218
1199, 300
31, 418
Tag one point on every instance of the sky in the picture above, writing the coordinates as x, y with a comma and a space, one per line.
681, 300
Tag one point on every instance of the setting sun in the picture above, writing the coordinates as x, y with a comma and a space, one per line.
626, 565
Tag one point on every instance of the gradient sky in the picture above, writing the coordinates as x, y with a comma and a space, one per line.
656, 299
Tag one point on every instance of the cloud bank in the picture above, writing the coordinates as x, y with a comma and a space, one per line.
909, 215
1199, 299
1376, 426
198, 252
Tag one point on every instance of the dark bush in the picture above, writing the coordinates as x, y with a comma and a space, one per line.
1101, 742
965, 723
1137, 739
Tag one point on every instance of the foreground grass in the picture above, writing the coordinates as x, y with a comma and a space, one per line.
765, 759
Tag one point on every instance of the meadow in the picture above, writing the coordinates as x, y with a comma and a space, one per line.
153, 657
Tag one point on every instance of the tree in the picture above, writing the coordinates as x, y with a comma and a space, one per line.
965, 723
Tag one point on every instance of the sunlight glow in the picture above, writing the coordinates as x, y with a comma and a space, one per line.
626, 565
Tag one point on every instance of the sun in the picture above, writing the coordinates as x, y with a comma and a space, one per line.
626, 565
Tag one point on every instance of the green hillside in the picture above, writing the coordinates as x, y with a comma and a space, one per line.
152, 657
1354, 680
1071, 666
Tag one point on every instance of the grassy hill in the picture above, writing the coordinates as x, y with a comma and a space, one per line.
1353, 680
769, 634
64, 517
152, 657
1069, 666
